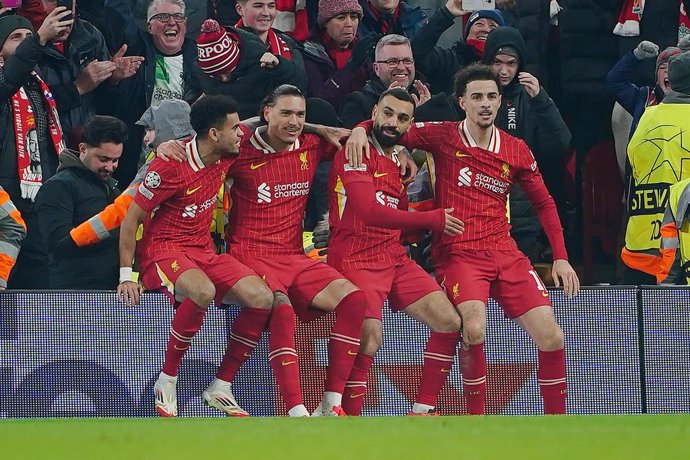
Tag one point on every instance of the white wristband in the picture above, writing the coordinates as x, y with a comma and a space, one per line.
125, 274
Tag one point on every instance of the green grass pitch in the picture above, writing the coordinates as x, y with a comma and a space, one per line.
651, 437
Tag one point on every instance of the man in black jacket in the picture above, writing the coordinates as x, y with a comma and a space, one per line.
28, 144
170, 59
527, 112
82, 187
394, 66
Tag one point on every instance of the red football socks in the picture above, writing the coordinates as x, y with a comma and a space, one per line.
283, 356
185, 324
473, 368
438, 359
356, 386
552, 382
344, 340
244, 336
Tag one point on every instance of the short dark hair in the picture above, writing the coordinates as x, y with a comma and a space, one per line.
279, 91
211, 112
399, 93
101, 129
475, 72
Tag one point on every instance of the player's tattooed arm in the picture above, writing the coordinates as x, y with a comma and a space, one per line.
332, 134
408, 167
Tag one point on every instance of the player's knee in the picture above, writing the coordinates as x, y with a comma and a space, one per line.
372, 339
473, 332
203, 293
280, 298
449, 322
552, 340
261, 297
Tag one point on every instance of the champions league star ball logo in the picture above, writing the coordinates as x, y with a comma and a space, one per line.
153, 180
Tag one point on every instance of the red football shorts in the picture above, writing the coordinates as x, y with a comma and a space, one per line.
506, 276
402, 284
223, 270
297, 276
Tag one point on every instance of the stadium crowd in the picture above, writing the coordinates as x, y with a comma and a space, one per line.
428, 129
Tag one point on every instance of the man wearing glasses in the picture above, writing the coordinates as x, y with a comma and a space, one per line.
169, 59
394, 68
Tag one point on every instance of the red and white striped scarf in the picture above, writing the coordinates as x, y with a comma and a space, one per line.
276, 45
292, 18
631, 15
26, 138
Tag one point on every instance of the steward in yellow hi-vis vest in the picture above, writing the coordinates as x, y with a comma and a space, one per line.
659, 153
675, 237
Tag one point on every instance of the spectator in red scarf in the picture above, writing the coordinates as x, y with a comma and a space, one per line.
440, 64
333, 57
258, 17
390, 17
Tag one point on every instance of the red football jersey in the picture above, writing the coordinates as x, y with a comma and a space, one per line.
181, 198
268, 194
476, 183
354, 244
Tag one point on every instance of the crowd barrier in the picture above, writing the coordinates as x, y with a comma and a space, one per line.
84, 354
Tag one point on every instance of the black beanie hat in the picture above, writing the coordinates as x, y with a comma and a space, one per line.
9, 24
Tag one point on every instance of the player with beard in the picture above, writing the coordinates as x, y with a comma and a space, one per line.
368, 212
177, 253
476, 164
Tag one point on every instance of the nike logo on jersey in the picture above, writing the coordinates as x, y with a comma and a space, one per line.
180, 349
189, 191
351, 353
445, 370
459, 154
287, 363
378, 174
356, 395
246, 355
257, 165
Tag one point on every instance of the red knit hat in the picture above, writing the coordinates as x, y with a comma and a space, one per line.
218, 52
329, 9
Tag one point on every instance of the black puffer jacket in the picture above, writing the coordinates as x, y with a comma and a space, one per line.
359, 104
31, 271
535, 120
589, 50
532, 19
67, 199
440, 64
60, 71
250, 82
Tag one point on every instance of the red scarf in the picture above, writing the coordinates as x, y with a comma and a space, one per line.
338, 55
292, 19
276, 45
387, 22
477, 45
26, 138
631, 15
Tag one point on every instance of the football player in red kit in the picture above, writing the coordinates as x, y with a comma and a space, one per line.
175, 202
475, 165
368, 210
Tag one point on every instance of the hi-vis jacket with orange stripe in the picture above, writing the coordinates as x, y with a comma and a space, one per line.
659, 153
104, 224
675, 236
12, 232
